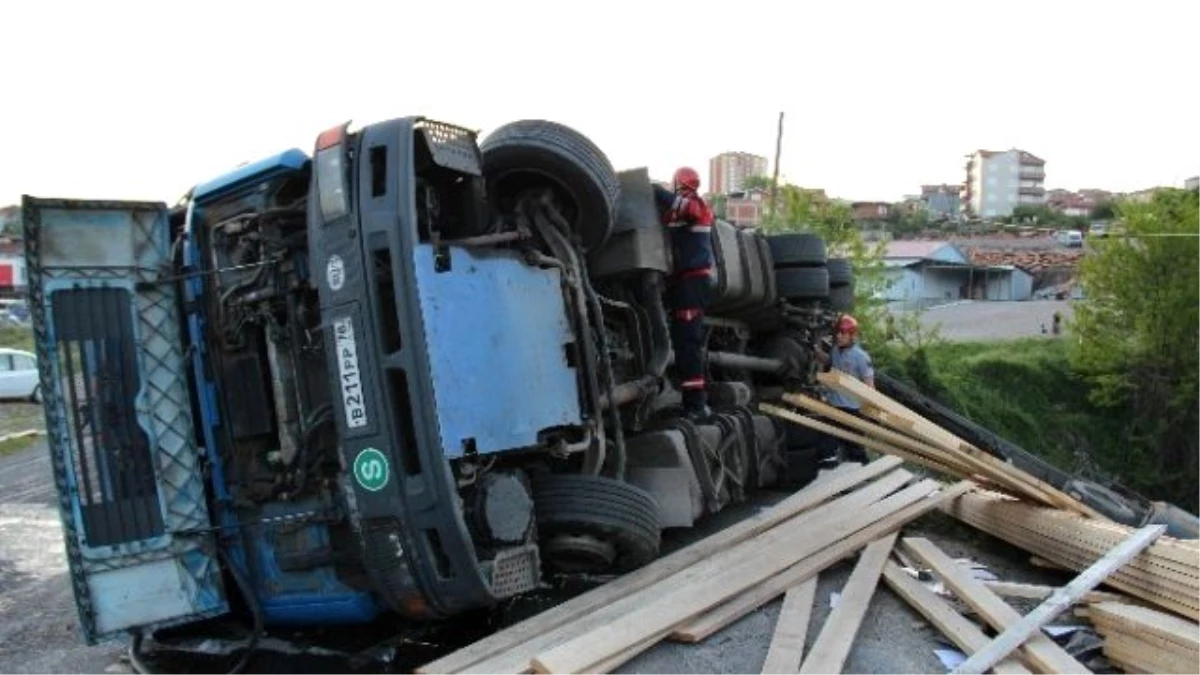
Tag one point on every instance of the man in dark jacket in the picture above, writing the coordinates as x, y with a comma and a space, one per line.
689, 220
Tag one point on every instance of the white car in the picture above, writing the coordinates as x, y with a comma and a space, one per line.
18, 375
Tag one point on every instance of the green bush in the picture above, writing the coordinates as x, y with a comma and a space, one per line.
16, 337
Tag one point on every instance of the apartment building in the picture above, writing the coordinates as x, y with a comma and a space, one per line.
942, 202
728, 171
998, 182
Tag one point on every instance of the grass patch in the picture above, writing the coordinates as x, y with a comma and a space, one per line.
15, 417
1024, 391
15, 445
16, 337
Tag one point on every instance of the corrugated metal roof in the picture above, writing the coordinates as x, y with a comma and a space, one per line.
913, 249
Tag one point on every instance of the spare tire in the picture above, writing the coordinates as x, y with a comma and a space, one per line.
841, 273
539, 153
802, 283
798, 249
841, 299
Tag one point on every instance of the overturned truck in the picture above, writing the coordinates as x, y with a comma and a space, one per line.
408, 372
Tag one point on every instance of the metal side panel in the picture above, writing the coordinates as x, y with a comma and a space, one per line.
132, 499
496, 331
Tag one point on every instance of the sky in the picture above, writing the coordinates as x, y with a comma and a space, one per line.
126, 100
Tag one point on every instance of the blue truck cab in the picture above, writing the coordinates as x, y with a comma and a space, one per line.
404, 373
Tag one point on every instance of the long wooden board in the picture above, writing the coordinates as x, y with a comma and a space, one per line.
706, 624
865, 441
1040, 651
740, 568
1031, 624
524, 632
1011, 589
853, 387
964, 634
791, 630
829, 652
962, 465
1134, 619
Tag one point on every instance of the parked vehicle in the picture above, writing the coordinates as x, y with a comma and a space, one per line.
18, 375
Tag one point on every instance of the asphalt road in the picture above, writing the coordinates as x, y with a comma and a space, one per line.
38, 632
38, 622
995, 320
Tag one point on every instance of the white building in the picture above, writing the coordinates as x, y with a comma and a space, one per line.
998, 182
728, 171
928, 273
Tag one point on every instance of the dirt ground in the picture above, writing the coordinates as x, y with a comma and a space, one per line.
38, 622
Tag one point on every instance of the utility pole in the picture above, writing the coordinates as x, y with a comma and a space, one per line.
775, 178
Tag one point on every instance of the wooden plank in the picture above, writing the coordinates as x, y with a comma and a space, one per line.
939, 436
1157, 590
876, 431
518, 658
523, 633
1136, 579
964, 634
965, 466
704, 625
829, 652
1011, 589
739, 569
791, 629
1031, 624
1132, 618
618, 660
1040, 651
865, 441
1140, 654
1150, 640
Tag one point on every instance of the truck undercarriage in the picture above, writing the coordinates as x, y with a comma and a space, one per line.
410, 373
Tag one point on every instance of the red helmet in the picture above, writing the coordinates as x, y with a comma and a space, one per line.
687, 177
848, 324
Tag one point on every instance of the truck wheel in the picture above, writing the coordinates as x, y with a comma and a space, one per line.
538, 153
803, 283
840, 272
595, 524
841, 299
800, 249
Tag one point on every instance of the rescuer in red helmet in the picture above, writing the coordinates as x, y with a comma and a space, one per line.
849, 357
689, 220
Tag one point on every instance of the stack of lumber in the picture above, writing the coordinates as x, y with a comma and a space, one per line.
1030, 261
895, 429
699, 590
1165, 575
1142, 640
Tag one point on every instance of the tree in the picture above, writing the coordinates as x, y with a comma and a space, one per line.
757, 183
802, 211
1103, 211
1137, 337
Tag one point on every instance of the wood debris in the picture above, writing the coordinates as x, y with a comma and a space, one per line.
699, 590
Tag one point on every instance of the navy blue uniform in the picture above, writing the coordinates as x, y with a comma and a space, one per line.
689, 221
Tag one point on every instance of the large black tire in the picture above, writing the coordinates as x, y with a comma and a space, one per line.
841, 299
801, 249
614, 511
803, 464
840, 272
532, 153
802, 283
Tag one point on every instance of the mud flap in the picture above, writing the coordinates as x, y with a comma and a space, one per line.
127, 469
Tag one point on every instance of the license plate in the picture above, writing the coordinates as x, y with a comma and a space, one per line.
351, 383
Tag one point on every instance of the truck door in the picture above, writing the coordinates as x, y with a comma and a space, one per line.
136, 524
